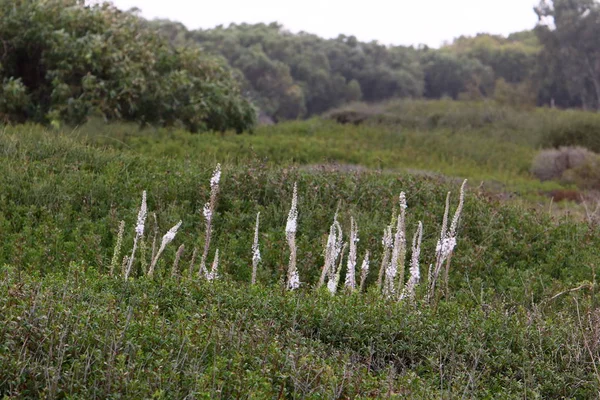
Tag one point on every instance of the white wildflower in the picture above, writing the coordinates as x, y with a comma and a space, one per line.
141, 218
170, 235
255, 250
291, 225
332, 250
458, 212
294, 281
256, 255
167, 238
446, 244
402, 199
216, 177
350, 281
207, 212
396, 266
415, 273
387, 240
139, 233
332, 286
335, 272
388, 244
445, 247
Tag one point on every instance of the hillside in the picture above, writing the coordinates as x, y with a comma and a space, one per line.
519, 317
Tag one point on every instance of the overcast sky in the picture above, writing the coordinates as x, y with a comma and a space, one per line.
400, 22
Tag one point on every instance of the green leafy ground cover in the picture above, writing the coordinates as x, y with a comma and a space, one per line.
511, 327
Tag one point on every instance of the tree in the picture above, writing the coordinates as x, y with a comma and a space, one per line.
449, 75
282, 69
63, 61
569, 31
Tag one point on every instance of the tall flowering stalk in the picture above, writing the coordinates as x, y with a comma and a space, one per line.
415, 274
192, 263
155, 237
446, 243
117, 251
214, 271
124, 265
453, 232
143, 260
167, 238
139, 233
364, 271
350, 281
335, 273
396, 265
175, 269
255, 250
388, 243
293, 279
333, 249
208, 212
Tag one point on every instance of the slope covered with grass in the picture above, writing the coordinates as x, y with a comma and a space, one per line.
520, 318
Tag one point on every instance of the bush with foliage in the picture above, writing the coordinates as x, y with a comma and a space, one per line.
62, 61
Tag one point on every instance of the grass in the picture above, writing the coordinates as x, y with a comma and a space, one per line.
511, 327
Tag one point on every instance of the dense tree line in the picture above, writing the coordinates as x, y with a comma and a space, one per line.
63, 61
294, 75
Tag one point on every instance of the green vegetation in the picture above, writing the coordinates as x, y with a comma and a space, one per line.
295, 75
520, 317
81, 334
74, 61
517, 318
61, 61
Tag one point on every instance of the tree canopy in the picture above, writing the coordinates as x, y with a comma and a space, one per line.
63, 61
569, 31
296, 75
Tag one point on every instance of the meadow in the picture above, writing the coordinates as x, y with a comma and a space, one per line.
519, 319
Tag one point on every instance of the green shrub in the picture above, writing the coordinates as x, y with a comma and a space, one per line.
64, 61
574, 129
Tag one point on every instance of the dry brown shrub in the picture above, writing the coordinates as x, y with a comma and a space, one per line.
553, 163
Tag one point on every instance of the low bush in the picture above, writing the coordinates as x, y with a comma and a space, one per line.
553, 163
573, 128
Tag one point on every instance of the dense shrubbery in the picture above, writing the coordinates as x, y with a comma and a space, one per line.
68, 329
62, 201
78, 333
73, 61
582, 129
62, 61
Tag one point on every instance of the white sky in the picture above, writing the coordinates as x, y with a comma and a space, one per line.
400, 22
